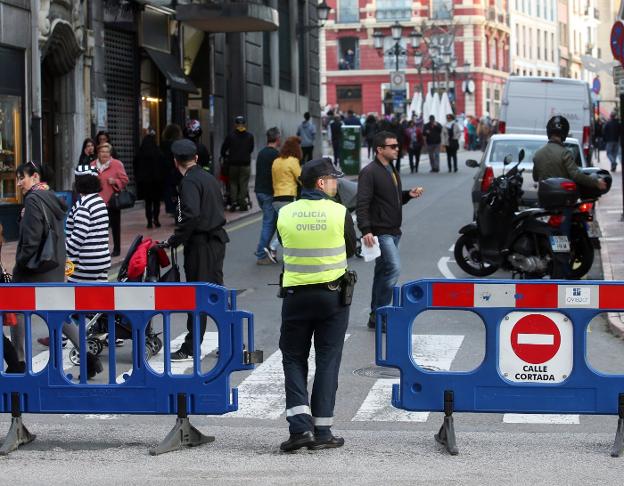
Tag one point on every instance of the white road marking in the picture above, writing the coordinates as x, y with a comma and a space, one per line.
434, 352
261, 395
452, 248
40, 360
157, 363
444, 269
535, 418
612, 238
613, 211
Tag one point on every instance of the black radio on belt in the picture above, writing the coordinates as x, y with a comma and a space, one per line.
347, 286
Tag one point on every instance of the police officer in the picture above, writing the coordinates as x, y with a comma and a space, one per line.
199, 226
318, 236
554, 160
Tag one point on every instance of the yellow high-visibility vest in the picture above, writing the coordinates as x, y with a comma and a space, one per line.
312, 233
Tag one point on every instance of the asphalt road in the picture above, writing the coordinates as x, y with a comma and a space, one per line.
383, 444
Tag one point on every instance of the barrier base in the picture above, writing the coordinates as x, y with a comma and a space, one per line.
618, 445
183, 434
18, 435
446, 436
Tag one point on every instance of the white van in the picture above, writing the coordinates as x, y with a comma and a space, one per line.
529, 102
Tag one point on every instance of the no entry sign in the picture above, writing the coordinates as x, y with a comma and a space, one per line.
535, 347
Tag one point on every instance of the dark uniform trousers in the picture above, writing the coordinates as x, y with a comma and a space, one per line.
203, 262
306, 313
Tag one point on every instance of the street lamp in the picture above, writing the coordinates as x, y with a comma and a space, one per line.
396, 32
322, 13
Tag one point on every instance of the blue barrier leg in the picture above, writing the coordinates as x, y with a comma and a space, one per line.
18, 434
618, 445
182, 434
446, 435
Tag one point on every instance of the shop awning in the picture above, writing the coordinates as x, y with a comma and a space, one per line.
168, 65
230, 17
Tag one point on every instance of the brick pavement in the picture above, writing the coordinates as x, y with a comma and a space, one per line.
609, 214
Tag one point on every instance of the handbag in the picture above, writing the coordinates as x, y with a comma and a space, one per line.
46, 257
122, 200
173, 274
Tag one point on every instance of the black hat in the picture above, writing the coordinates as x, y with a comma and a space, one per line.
240, 120
314, 169
184, 149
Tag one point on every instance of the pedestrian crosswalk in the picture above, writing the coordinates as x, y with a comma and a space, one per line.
261, 392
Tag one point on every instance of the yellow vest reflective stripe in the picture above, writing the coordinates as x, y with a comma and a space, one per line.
312, 233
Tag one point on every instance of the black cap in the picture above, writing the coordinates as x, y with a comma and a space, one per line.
240, 120
184, 149
314, 169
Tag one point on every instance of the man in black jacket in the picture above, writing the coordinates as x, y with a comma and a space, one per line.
199, 227
380, 202
236, 152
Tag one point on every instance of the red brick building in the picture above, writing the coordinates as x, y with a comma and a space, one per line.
356, 75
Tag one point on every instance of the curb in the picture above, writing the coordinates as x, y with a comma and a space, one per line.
614, 319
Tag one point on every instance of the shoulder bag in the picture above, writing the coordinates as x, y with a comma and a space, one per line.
46, 257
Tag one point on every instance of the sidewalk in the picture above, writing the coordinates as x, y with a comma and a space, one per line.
609, 213
133, 223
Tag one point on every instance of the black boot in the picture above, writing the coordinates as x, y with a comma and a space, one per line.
297, 441
17, 367
94, 366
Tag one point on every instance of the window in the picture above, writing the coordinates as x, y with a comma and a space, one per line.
285, 46
524, 41
390, 59
539, 51
441, 9
517, 40
302, 53
394, 9
348, 11
552, 47
546, 46
266, 59
348, 53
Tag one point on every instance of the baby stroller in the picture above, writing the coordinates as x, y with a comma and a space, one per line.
347, 196
130, 271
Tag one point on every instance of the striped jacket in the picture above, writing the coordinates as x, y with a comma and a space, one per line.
87, 239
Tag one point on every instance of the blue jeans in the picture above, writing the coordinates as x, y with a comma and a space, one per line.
387, 270
269, 223
612, 153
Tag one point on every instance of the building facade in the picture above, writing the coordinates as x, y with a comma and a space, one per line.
534, 37
356, 75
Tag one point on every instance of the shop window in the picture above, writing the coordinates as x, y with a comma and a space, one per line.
285, 46
394, 9
348, 11
152, 99
12, 85
348, 53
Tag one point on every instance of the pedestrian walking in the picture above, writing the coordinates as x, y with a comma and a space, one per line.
307, 133
170, 134
264, 194
380, 201
335, 138
87, 247
472, 132
318, 237
432, 132
415, 136
114, 179
369, 130
236, 152
611, 137
150, 168
199, 228
286, 170
41, 218
193, 131
451, 135
87, 154
484, 130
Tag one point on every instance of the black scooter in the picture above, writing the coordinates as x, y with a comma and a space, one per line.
522, 242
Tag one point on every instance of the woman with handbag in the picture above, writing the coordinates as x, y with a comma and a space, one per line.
40, 255
114, 180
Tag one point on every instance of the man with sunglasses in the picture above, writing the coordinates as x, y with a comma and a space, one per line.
380, 201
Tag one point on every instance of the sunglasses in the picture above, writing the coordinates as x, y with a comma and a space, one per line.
393, 146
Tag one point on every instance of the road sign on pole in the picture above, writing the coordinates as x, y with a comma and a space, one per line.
535, 347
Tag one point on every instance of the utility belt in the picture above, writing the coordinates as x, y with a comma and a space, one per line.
345, 285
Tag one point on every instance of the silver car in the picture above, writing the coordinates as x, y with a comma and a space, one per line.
499, 146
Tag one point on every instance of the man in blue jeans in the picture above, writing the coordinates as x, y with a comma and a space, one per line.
380, 201
264, 192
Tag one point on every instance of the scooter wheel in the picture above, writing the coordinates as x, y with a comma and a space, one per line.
581, 255
468, 256
74, 357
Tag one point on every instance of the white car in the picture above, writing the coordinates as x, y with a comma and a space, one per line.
499, 146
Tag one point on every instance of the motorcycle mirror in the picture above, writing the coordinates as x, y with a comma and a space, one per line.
508, 159
472, 163
521, 156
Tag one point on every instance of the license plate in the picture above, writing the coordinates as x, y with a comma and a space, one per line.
559, 243
593, 230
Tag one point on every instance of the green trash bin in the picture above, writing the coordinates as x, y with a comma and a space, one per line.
350, 149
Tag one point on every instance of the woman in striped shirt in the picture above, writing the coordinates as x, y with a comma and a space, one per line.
87, 230
87, 245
